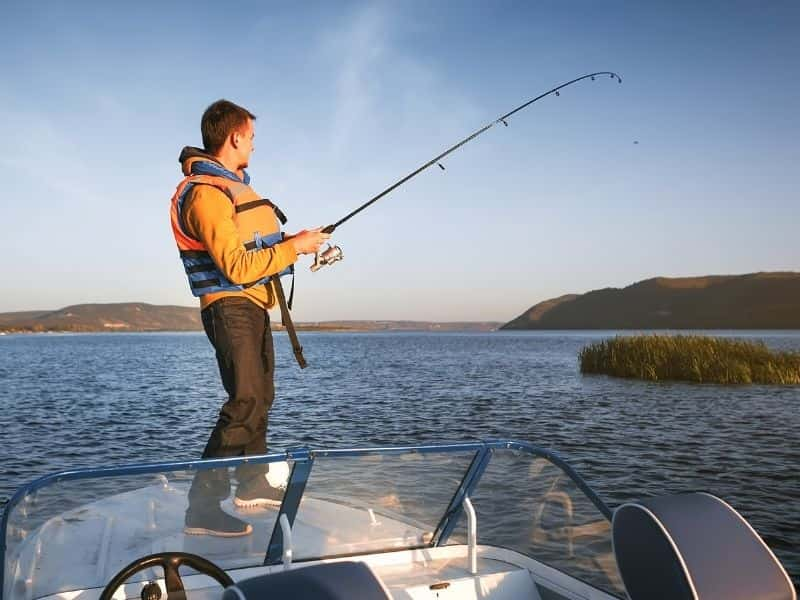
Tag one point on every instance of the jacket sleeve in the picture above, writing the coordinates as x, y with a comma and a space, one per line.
208, 216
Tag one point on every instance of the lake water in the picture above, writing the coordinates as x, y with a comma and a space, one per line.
85, 400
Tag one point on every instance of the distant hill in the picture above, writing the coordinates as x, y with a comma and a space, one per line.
139, 316
754, 301
128, 316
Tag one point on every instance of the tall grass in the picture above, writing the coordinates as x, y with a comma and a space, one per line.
695, 358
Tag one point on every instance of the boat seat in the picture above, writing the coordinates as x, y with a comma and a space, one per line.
329, 581
694, 547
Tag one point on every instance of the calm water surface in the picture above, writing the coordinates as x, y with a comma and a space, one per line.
85, 400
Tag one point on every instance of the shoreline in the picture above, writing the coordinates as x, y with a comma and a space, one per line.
465, 327
446, 329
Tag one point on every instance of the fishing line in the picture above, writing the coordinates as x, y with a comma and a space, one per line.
334, 253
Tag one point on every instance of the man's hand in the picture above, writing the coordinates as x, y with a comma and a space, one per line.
308, 241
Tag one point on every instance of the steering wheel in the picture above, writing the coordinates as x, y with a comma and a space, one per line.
169, 561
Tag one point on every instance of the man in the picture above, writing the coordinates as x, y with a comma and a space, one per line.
233, 252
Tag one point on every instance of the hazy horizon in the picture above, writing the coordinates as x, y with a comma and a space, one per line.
686, 169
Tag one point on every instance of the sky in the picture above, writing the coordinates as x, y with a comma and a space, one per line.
688, 168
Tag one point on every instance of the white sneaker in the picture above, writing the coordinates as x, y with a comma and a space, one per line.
278, 474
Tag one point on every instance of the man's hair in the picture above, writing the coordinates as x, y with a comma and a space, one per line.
220, 120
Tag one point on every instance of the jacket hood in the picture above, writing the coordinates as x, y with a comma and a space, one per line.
190, 155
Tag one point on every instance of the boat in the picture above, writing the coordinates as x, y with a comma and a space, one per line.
497, 519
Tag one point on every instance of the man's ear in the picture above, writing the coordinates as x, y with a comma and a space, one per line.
236, 139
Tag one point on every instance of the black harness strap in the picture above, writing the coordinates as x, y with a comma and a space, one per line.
195, 254
263, 202
291, 293
210, 266
204, 283
286, 318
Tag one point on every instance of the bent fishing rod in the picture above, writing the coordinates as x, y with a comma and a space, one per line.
334, 253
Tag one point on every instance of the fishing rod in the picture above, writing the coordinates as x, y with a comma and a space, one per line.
334, 253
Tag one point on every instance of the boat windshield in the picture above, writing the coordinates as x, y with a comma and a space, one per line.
75, 530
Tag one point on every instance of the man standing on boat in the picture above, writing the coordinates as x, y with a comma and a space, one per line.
234, 253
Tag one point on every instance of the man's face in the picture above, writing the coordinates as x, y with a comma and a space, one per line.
244, 144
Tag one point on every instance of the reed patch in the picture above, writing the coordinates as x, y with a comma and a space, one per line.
696, 358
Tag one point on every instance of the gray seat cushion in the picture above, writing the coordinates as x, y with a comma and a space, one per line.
330, 581
694, 547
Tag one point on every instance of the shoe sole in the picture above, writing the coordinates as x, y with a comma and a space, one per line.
256, 503
215, 533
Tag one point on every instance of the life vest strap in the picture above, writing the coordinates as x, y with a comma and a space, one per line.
286, 318
204, 283
200, 268
264, 241
194, 254
262, 202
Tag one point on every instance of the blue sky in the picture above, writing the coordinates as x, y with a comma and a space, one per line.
96, 102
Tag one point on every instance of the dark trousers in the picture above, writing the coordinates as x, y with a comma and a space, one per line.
240, 333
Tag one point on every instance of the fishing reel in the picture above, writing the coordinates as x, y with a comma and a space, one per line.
330, 255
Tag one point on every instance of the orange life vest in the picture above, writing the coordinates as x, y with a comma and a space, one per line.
256, 220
